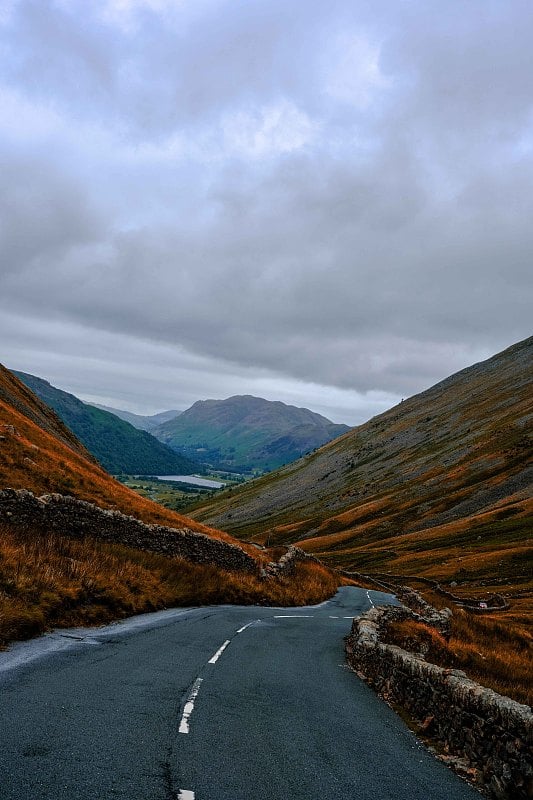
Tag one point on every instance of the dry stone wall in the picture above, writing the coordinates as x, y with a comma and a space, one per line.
287, 563
489, 603
390, 582
493, 733
77, 519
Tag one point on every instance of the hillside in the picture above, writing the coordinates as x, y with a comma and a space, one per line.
39, 453
51, 579
245, 432
439, 486
140, 421
119, 446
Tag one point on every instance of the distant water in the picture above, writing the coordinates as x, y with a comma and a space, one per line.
204, 482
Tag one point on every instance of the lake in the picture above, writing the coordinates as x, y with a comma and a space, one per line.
205, 483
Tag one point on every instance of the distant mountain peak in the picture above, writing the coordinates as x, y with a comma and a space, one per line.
247, 432
140, 421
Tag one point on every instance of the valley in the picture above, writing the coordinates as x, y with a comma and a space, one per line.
266, 414
435, 493
174, 494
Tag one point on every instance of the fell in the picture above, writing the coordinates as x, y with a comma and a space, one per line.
439, 485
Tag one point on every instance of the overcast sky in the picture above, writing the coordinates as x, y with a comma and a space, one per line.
326, 203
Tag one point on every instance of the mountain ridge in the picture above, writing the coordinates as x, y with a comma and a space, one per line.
143, 422
39, 453
114, 442
247, 432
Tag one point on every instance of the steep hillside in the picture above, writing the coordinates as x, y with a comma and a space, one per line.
247, 432
49, 579
440, 485
15, 397
39, 453
118, 445
143, 423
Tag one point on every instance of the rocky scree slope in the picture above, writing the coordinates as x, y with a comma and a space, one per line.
438, 485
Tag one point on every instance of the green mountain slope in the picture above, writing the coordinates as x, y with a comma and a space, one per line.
440, 485
118, 446
247, 432
143, 423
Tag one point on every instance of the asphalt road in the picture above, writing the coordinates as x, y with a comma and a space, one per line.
217, 703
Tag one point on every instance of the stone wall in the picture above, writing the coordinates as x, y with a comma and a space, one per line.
395, 584
287, 563
493, 733
489, 603
77, 519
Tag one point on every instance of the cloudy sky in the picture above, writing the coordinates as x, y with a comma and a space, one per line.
326, 203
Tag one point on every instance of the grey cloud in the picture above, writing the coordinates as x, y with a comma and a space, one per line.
167, 69
103, 368
389, 248
43, 214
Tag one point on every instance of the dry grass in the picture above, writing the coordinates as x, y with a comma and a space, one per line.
48, 581
494, 654
422, 639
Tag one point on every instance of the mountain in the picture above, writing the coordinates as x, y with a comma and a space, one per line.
439, 485
143, 423
118, 446
245, 432
38, 452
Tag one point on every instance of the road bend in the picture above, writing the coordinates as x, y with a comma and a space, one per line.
216, 703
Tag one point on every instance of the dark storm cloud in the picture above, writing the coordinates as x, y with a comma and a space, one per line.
334, 196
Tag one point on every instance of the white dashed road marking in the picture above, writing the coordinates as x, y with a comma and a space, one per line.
218, 653
185, 794
189, 706
247, 626
370, 599
293, 616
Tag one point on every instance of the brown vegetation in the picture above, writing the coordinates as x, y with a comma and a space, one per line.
49, 581
440, 485
495, 654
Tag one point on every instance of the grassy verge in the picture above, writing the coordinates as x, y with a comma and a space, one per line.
493, 653
52, 581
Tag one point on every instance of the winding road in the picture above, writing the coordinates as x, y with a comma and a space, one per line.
215, 703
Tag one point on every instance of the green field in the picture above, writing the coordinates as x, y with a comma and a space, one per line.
173, 494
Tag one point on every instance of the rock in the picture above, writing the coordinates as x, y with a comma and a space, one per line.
68, 516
